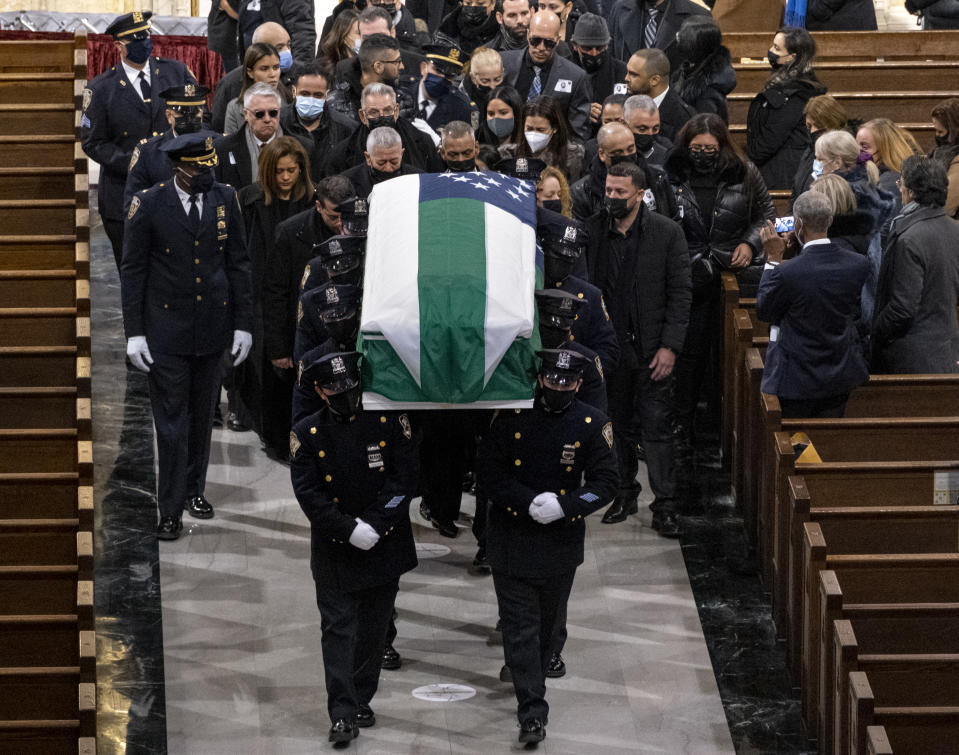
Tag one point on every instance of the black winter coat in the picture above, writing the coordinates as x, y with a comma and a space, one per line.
589, 192
936, 14
776, 133
418, 149
841, 15
704, 88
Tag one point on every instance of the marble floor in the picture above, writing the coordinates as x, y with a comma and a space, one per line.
211, 644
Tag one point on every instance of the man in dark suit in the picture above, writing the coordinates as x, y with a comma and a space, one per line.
296, 16
354, 473
437, 100
187, 296
544, 470
537, 70
815, 356
640, 261
121, 106
590, 51
638, 24
383, 161
148, 164
647, 72
642, 117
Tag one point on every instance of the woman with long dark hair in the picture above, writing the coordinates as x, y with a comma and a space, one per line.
706, 75
341, 40
945, 119
724, 205
261, 64
502, 125
776, 134
546, 137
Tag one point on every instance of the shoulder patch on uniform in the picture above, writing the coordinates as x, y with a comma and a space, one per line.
608, 434
599, 367
299, 311
134, 157
134, 206
87, 98
294, 444
602, 303
405, 424
305, 278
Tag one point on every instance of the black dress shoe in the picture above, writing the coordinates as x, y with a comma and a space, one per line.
169, 528
667, 525
446, 529
233, 423
391, 659
532, 730
365, 718
199, 507
343, 730
505, 675
619, 511
556, 668
217, 417
480, 564
425, 511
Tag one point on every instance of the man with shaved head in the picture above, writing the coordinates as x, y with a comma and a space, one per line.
538, 71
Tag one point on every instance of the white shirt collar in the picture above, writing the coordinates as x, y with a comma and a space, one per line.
134, 75
185, 198
659, 98
814, 242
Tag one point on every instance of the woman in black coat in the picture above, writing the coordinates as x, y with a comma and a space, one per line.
935, 14
706, 75
724, 206
841, 15
282, 189
776, 133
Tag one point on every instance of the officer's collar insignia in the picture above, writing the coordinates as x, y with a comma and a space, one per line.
338, 366
294, 444
306, 277
562, 360
608, 434
87, 98
405, 424
570, 234
299, 372
134, 206
332, 297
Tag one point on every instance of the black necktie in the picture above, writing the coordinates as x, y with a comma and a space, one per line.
194, 212
144, 87
652, 25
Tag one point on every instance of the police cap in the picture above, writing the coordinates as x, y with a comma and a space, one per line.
134, 25
446, 57
525, 168
336, 372
561, 366
557, 307
354, 212
332, 301
559, 234
185, 95
192, 148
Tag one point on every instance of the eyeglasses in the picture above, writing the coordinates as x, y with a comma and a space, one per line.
392, 62
377, 113
260, 114
700, 150
549, 44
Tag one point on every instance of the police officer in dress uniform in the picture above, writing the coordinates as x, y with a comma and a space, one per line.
545, 469
354, 474
436, 91
121, 106
184, 113
328, 314
187, 296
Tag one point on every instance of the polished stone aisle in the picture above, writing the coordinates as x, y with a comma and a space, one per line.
242, 644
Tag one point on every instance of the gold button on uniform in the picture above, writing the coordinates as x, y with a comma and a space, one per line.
196, 243
588, 420
313, 432
322, 454
199, 298
382, 444
569, 469
328, 478
197, 280
518, 436
517, 462
196, 260
576, 444
382, 419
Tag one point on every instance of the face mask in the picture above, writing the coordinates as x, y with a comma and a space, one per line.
644, 142
556, 205
556, 402
309, 108
138, 51
552, 337
343, 332
592, 63
773, 59
189, 122
436, 86
198, 184
556, 269
345, 405
286, 60
356, 45
383, 120
942, 141
379, 176
622, 159
864, 157
473, 15
816, 169
536, 140
501, 127
461, 166
617, 207
704, 162
482, 91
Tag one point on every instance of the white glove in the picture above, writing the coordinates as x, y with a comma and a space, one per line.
545, 508
423, 126
139, 353
242, 341
364, 536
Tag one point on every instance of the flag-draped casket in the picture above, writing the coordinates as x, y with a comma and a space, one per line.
448, 317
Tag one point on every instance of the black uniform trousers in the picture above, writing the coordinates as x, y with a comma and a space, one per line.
446, 455
528, 610
698, 357
354, 626
183, 390
641, 411
114, 231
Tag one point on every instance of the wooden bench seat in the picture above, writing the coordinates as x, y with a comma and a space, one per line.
37, 118
41, 150
38, 326
37, 252
36, 183
43, 542
846, 76
19, 217
922, 131
38, 450
898, 106
39, 408
39, 288
37, 55
31, 87
849, 46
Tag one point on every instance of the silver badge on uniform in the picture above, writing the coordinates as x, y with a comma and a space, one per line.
570, 234
374, 457
569, 454
338, 366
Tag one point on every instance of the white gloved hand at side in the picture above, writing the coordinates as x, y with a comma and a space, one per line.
364, 536
242, 341
139, 353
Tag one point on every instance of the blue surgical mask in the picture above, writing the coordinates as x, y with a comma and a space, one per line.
309, 108
138, 50
436, 86
816, 169
286, 60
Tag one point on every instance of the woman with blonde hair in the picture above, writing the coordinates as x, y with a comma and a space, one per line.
888, 145
823, 113
552, 192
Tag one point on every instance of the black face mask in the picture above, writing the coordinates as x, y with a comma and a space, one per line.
461, 166
592, 63
379, 176
343, 331
556, 268
773, 59
942, 141
472, 16
198, 184
482, 91
644, 142
556, 205
616, 160
616, 207
555, 402
383, 120
345, 405
551, 336
704, 163
189, 122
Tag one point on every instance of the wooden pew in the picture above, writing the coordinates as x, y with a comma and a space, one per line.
37, 56
907, 727
850, 46
36, 87
37, 252
41, 150
36, 118
921, 130
882, 649
749, 333
846, 76
36, 183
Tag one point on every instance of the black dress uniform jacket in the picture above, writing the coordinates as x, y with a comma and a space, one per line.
454, 106
592, 326
528, 452
185, 291
627, 27
115, 118
364, 468
148, 166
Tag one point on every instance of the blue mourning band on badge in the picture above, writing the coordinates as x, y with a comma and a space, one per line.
394, 502
589, 497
